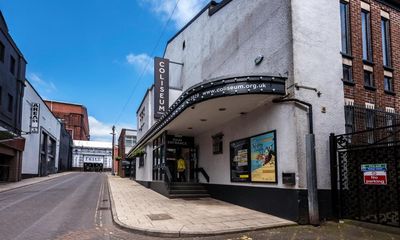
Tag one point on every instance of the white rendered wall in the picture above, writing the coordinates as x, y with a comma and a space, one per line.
145, 173
317, 64
47, 121
227, 43
149, 111
266, 118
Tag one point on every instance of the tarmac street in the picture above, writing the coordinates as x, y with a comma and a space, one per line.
77, 206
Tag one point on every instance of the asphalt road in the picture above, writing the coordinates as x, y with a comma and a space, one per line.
77, 206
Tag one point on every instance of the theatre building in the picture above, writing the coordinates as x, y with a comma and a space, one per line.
247, 94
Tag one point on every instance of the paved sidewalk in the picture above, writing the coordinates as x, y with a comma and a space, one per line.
26, 182
133, 206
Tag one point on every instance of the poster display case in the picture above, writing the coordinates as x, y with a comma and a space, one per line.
254, 159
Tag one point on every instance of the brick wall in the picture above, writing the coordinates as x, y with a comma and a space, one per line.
74, 117
358, 92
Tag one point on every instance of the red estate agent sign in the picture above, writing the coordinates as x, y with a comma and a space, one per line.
374, 174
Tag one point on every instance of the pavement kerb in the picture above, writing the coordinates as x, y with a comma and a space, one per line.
180, 233
45, 179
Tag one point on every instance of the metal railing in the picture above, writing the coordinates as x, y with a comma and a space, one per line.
359, 118
204, 173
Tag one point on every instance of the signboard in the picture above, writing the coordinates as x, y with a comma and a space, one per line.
263, 158
93, 159
161, 86
374, 174
180, 141
35, 114
240, 169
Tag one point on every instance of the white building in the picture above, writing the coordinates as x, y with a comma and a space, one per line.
238, 60
42, 134
89, 154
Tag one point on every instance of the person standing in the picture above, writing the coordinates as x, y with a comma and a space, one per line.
181, 168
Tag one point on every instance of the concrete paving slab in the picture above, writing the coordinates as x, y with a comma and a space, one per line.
132, 204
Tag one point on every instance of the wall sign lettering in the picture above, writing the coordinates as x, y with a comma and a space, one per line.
161, 86
35, 114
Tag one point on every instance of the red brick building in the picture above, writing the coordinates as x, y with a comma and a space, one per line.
126, 141
74, 117
371, 62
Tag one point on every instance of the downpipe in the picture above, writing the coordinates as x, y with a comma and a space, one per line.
312, 190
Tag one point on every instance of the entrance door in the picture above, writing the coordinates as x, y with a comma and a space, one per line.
188, 155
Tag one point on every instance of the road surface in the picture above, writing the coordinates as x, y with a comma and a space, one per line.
77, 206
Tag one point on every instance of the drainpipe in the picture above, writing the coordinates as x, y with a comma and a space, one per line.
312, 190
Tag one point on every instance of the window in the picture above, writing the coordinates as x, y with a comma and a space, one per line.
12, 64
349, 118
2, 51
366, 35
386, 42
370, 124
347, 73
129, 141
345, 27
217, 143
370, 121
10, 103
388, 82
368, 79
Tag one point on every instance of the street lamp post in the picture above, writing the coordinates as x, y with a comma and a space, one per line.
112, 152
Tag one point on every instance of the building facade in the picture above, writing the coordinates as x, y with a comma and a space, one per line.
74, 117
253, 90
91, 155
126, 140
370, 51
42, 152
12, 77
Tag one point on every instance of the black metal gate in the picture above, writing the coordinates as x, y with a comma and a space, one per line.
365, 169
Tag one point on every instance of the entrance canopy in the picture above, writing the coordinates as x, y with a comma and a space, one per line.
214, 102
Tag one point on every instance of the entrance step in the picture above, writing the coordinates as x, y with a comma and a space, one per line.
187, 190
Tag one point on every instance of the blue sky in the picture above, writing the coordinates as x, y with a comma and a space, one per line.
93, 52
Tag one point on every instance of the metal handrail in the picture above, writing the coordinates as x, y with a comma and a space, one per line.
204, 173
168, 174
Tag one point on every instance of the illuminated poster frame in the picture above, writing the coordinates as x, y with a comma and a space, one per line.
254, 159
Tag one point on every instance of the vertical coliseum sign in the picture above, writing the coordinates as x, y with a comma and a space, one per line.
161, 86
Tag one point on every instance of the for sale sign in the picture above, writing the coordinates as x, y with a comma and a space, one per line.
374, 174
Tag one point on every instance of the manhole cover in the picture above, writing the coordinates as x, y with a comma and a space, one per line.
162, 216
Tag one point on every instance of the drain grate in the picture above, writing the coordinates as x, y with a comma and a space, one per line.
103, 208
155, 217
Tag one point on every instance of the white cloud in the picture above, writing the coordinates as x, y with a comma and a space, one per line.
100, 131
142, 62
40, 84
184, 12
